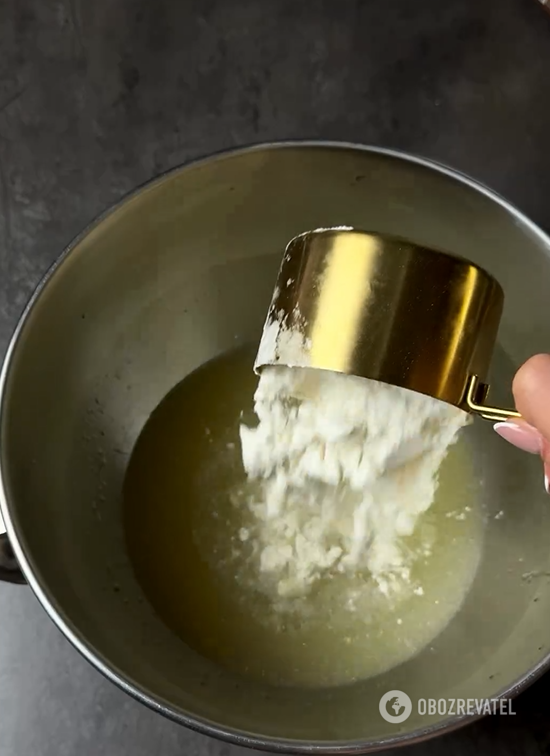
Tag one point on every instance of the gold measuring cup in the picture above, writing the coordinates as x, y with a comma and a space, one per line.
384, 308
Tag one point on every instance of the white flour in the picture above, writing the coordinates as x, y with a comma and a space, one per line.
345, 466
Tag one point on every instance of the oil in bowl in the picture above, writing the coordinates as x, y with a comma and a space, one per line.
186, 533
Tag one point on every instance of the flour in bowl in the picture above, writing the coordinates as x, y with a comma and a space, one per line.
345, 468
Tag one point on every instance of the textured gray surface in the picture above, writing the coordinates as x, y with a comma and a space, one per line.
96, 97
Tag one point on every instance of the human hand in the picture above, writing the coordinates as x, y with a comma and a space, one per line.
531, 388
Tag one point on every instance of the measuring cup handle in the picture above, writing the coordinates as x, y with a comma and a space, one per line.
10, 571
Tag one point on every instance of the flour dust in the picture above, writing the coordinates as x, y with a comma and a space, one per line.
347, 465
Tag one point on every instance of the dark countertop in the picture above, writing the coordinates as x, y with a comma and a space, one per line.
97, 97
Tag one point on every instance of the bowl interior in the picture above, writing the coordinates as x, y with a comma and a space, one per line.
180, 272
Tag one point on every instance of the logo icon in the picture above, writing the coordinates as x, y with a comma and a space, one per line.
395, 706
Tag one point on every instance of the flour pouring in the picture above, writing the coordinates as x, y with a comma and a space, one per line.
339, 485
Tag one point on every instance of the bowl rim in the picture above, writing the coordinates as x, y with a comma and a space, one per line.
56, 613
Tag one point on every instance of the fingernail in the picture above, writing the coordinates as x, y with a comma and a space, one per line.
547, 477
523, 436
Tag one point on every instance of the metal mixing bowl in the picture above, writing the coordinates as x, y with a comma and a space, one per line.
178, 272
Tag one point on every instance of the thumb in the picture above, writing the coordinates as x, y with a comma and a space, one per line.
531, 389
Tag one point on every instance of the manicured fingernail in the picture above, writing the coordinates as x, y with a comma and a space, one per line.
547, 477
521, 435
